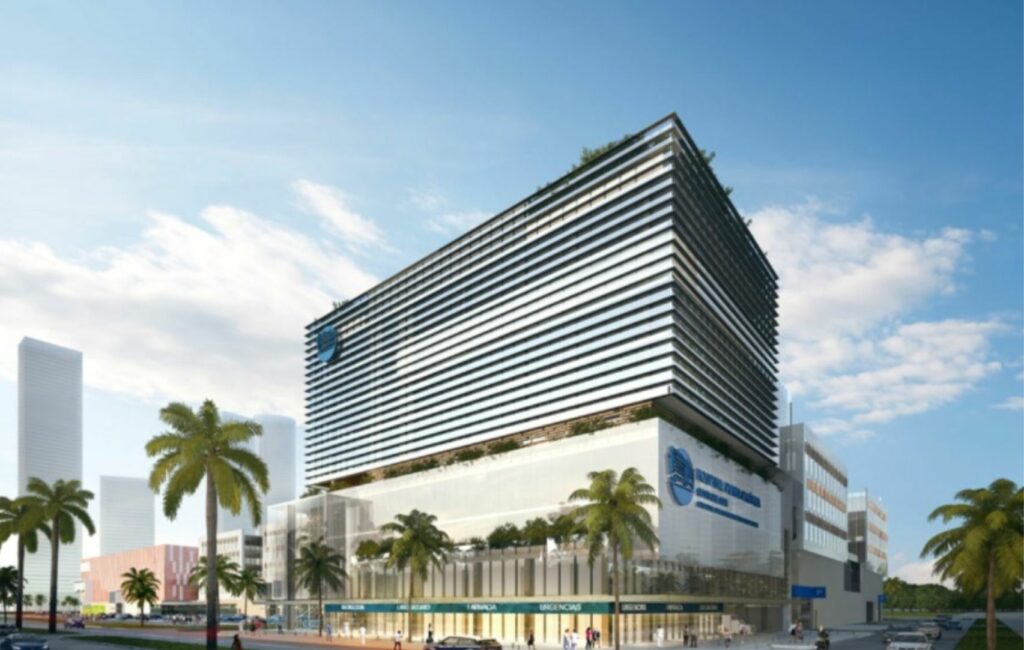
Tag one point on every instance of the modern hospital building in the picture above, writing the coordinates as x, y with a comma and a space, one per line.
621, 316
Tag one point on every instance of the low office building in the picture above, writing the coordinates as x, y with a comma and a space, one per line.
829, 584
869, 531
244, 549
102, 576
719, 563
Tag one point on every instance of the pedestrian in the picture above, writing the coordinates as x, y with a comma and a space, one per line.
686, 636
280, 628
575, 640
588, 635
728, 638
659, 635
800, 631
362, 634
430, 635
693, 638
330, 632
566, 640
236, 643
398, 640
530, 645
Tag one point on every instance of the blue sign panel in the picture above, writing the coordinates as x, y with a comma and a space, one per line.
327, 345
807, 592
881, 599
680, 475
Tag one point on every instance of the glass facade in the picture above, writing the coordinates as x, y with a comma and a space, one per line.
823, 500
727, 560
630, 279
869, 531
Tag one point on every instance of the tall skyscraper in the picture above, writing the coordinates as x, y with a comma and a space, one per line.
277, 449
126, 514
628, 280
226, 520
50, 443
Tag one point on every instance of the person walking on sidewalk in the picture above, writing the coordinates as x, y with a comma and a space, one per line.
330, 632
529, 642
398, 640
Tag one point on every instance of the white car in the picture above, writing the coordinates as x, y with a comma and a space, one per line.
930, 630
910, 641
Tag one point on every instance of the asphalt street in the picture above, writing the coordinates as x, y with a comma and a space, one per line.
73, 641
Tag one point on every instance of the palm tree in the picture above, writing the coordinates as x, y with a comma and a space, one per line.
249, 585
199, 445
62, 504
8, 587
615, 513
318, 567
986, 551
140, 586
227, 572
71, 602
418, 545
24, 518
40, 600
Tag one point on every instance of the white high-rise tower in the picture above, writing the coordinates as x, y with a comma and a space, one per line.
50, 444
126, 514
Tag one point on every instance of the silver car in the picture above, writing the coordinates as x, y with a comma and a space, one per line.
910, 641
24, 642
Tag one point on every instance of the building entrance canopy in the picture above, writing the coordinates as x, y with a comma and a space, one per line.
541, 607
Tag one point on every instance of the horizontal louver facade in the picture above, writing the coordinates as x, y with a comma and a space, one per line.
629, 280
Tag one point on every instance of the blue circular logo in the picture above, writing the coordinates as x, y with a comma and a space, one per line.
327, 345
680, 476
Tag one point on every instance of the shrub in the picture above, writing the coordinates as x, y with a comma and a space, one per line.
503, 446
468, 455
587, 426
505, 536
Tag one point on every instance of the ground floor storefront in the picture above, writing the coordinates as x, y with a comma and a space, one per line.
511, 622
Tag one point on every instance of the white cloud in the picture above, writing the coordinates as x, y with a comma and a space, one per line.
330, 204
444, 221
187, 312
1012, 403
455, 223
428, 200
917, 573
847, 292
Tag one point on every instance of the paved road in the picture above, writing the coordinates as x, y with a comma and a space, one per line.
867, 640
1015, 621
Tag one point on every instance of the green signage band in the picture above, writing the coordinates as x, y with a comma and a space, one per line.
552, 607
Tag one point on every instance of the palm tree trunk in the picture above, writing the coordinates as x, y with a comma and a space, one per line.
320, 608
615, 590
412, 575
20, 589
990, 604
142, 614
212, 606
54, 550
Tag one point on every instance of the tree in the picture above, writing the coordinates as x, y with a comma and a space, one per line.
418, 545
22, 517
318, 567
62, 503
536, 532
140, 586
200, 446
985, 552
226, 574
615, 513
9, 583
71, 602
40, 600
249, 585
505, 536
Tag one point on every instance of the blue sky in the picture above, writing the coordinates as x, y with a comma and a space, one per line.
182, 187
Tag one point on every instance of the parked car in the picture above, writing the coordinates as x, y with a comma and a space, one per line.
466, 643
953, 624
7, 629
931, 630
910, 641
24, 642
